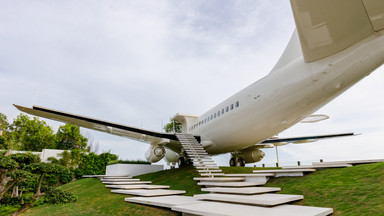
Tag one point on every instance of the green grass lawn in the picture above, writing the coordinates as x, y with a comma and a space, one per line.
356, 190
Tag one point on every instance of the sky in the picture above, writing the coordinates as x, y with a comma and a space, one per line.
139, 63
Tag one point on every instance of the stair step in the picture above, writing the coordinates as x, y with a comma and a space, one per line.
244, 190
219, 179
258, 199
203, 171
119, 180
212, 174
322, 166
149, 193
163, 201
229, 184
207, 167
116, 177
139, 186
127, 183
221, 209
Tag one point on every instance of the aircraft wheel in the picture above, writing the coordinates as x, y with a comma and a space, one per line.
232, 162
242, 162
182, 162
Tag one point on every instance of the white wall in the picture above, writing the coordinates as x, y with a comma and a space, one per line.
132, 169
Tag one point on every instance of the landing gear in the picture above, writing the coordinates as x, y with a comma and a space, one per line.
239, 162
183, 162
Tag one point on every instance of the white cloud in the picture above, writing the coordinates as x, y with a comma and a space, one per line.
140, 62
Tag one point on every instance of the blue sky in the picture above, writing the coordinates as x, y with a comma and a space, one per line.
140, 62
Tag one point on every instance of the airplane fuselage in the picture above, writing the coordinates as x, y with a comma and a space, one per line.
285, 96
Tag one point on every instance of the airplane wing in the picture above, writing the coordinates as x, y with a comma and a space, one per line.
269, 143
138, 134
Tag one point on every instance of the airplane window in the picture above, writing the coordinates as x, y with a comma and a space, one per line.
222, 111
214, 115
211, 117
231, 106
218, 114
237, 104
205, 120
226, 109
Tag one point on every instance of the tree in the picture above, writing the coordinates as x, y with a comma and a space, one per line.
30, 134
3, 131
69, 137
40, 169
169, 128
11, 169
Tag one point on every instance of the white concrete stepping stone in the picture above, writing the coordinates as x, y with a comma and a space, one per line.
230, 184
212, 174
119, 180
353, 162
138, 186
286, 172
253, 177
226, 209
128, 183
243, 190
322, 166
219, 179
202, 171
116, 177
149, 193
163, 201
258, 199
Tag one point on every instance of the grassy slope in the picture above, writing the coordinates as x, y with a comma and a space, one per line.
356, 190
350, 191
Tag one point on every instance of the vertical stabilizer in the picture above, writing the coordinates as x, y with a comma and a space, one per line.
326, 27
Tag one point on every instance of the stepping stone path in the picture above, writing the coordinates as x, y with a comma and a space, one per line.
229, 194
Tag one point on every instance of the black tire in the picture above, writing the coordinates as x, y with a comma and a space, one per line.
232, 162
242, 162
181, 162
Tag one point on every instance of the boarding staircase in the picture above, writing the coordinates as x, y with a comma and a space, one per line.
195, 152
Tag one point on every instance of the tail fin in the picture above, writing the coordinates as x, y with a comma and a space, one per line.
326, 27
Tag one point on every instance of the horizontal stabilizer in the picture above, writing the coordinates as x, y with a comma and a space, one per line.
301, 140
328, 26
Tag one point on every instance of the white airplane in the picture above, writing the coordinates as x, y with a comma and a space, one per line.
336, 43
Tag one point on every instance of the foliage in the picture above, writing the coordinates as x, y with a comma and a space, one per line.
93, 164
56, 196
169, 128
69, 137
30, 134
128, 162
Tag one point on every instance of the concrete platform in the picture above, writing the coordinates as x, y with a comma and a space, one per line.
163, 201
226, 209
253, 177
207, 167
149, 193
229, 184
219, 179
202, 171
119, 180
117, 177
353, 162
128, 183
258, 199
212, 174
243, 190
286, 172
137, 186
317, 167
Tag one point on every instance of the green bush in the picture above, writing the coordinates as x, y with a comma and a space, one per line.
93, 164
56, 196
